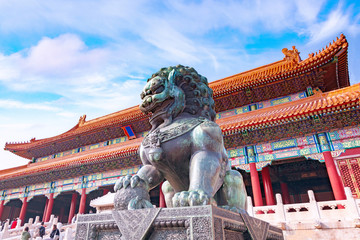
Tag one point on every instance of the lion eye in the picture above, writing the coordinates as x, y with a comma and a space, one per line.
159, 89
148, 92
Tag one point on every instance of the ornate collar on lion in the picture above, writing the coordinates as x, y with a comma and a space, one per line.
155, 138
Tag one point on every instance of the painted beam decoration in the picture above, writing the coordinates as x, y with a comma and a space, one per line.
92, 181
308, 146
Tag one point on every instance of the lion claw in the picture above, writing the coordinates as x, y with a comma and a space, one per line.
139, 203
128, 180
190, 198
134, 181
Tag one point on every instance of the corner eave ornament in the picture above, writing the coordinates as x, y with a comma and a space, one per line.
292, 56
184, 147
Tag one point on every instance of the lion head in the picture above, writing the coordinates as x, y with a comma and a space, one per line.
174, 90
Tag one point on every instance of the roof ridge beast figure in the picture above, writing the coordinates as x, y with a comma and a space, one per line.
184, 146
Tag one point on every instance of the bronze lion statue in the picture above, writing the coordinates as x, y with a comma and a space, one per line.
184, 146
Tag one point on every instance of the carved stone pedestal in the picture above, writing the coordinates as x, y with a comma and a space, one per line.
204, 222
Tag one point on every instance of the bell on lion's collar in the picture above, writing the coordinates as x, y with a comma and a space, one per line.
155, 153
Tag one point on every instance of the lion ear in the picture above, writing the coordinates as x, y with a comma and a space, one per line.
172, 76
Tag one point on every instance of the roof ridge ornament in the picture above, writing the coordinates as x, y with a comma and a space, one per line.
82, 120
292, 56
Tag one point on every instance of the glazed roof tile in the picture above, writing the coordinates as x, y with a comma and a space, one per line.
120, 118
276, 70
314, 105
75, 160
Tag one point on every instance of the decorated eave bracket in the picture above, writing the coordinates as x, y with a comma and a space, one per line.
129, 132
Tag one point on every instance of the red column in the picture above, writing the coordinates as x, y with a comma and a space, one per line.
1, 208
23, 211
82, 201
255, 184
335, 180
105, 191
49, 207
72, 207
269, 194
162, 202
285, 193
45, 208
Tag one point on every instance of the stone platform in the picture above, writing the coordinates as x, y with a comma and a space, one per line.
203, 222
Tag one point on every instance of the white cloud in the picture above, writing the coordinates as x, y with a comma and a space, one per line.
11, 104
338, 21
308, 10
62, 56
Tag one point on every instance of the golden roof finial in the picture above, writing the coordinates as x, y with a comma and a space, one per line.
82, 120
292, 56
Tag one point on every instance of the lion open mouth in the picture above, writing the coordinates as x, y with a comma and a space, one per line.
149, 104
153, 107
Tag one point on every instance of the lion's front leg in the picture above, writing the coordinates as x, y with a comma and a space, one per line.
132, 191
205, 169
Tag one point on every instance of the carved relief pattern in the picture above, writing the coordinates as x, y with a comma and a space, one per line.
163, 136
94, 217
81, 230
169, 235
218, 228
109, 235
258, 229
206, 221
202, 228
134, 224
193, 211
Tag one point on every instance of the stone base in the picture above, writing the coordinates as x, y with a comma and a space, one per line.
203, 222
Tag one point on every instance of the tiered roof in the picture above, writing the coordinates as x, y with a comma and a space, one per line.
290, 66
320, 103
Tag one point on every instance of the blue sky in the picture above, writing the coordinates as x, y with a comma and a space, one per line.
62, 59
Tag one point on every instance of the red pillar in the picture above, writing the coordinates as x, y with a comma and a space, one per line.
285, 193
335, 180
162, 202
1, 208
72, 207
105, 191
45, 208
49, 207
269, 194
255, 184
82, 201
23, 211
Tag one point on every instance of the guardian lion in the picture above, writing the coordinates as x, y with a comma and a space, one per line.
184, 146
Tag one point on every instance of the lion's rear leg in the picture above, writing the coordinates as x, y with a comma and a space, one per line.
168, 192
233, 193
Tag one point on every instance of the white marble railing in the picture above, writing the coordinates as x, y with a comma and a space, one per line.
67, 232
316, 215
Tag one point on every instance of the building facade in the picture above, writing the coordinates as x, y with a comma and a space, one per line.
289, 126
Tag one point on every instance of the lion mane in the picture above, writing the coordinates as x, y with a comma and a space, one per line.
198, 94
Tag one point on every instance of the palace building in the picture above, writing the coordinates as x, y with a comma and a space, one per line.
289, 127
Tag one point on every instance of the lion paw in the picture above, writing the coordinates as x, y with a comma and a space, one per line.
139, 203
190, 198
124, 182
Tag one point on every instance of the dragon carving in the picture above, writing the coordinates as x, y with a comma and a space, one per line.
184, 147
